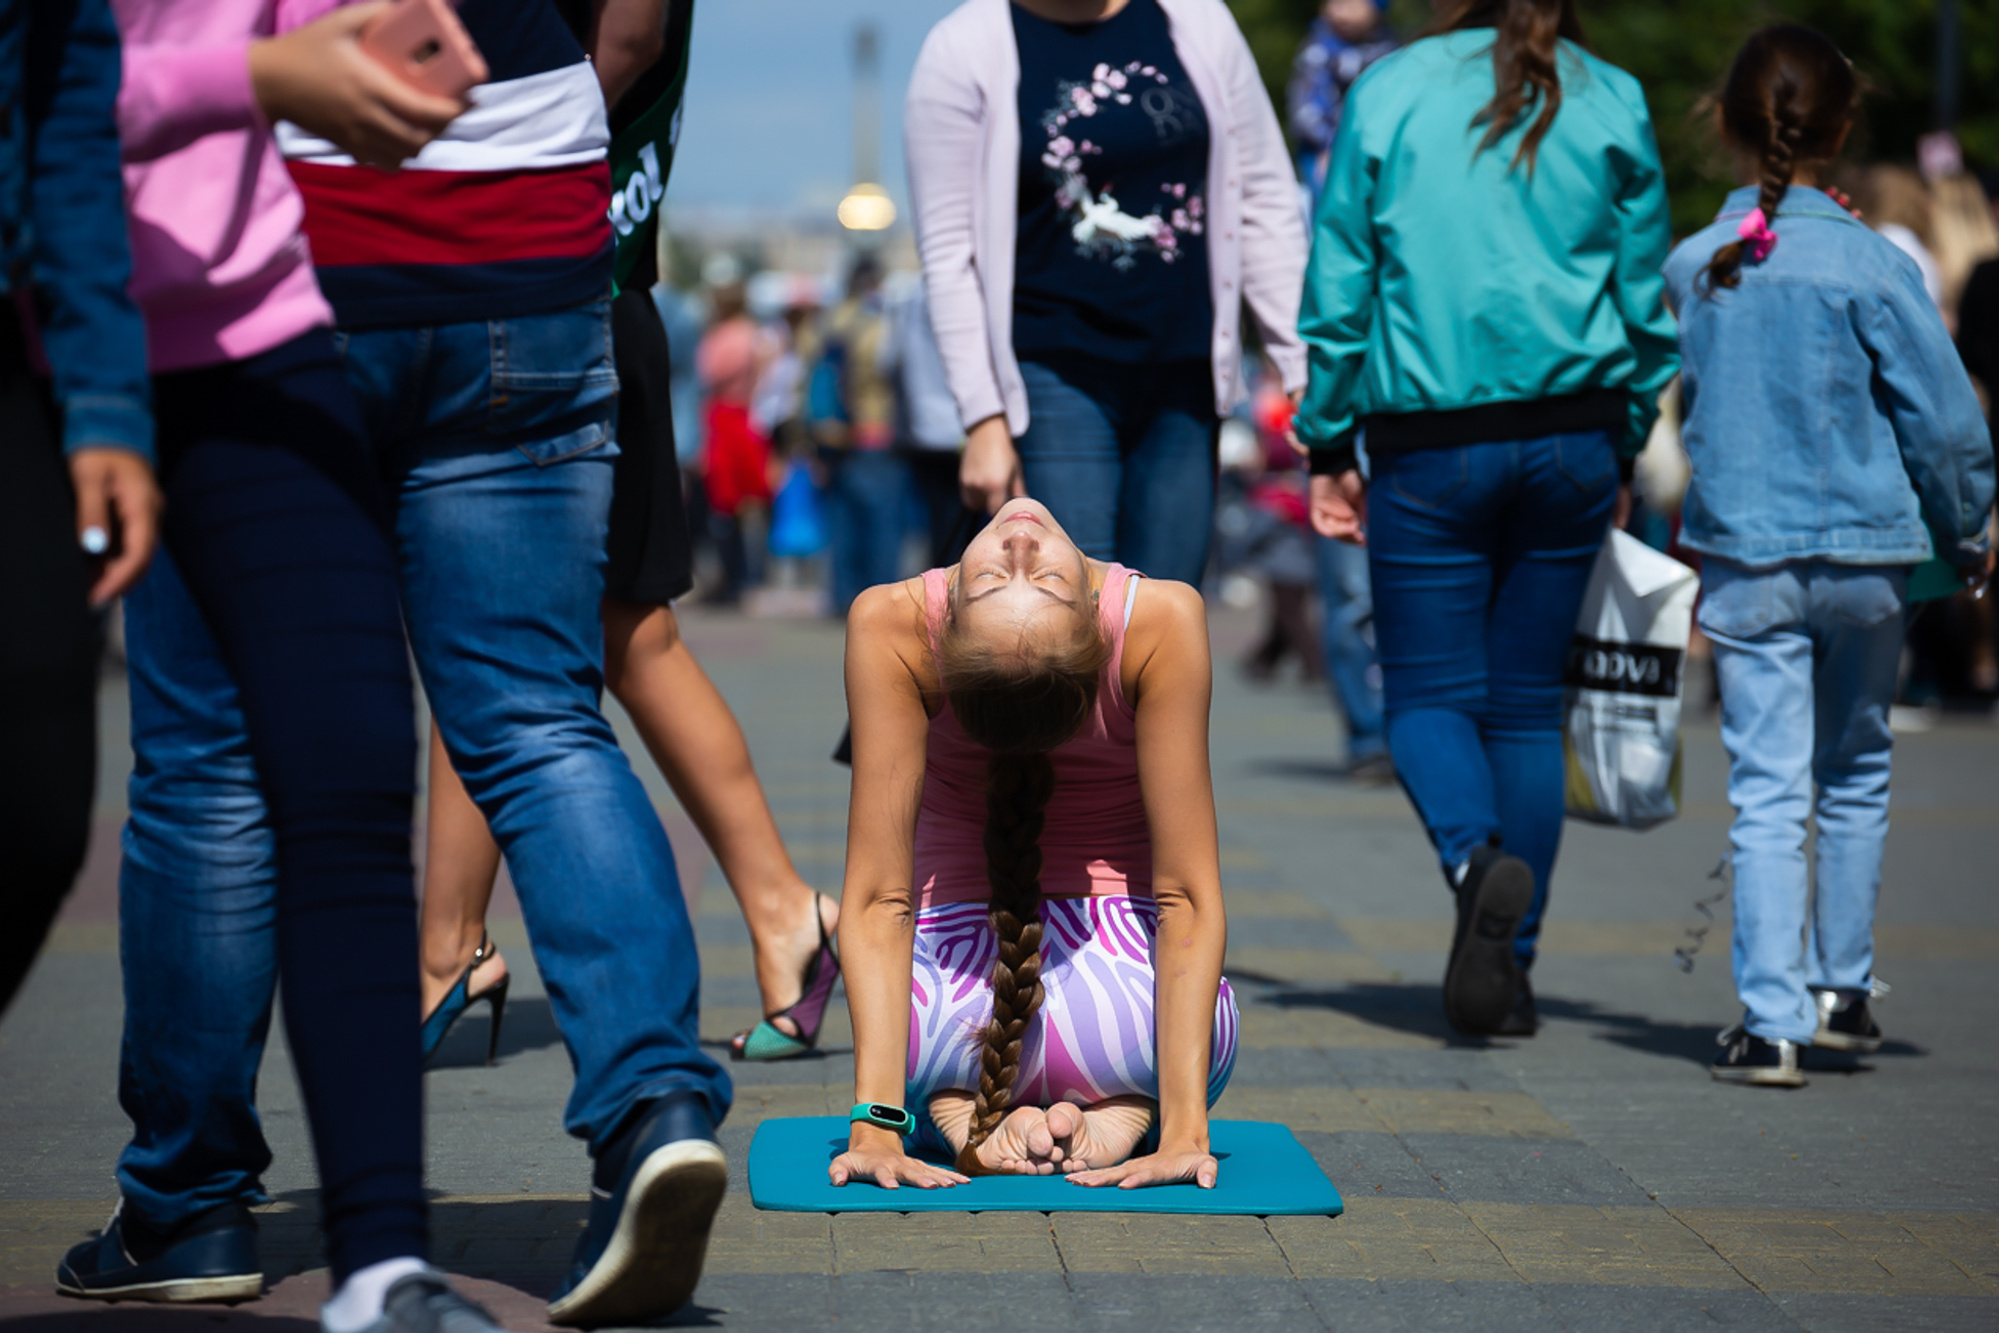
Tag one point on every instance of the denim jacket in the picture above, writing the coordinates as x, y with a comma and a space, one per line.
1827, 413
62, 215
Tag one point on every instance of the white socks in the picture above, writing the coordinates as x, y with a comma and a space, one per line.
358, 1303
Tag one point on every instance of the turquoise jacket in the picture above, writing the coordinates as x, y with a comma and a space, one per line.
1444, 278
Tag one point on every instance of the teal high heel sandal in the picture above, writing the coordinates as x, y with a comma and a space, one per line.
765, 1041
459, 998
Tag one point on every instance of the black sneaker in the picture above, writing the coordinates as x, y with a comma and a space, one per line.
1846, 1022
1482, 983
653, 1198
1748, 1058
210, 1257
1525, 1019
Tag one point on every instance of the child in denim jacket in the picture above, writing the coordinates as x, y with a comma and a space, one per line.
1828, 417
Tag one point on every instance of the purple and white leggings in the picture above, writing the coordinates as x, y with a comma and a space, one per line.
1093, 1036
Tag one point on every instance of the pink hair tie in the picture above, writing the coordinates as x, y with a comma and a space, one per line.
1755, 229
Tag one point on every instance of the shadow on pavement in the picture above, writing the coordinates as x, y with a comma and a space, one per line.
1315, 770
132, 1317
1416, 1007
528, 1026
523, 1243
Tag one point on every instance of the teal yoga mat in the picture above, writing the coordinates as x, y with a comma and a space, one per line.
1265, 1172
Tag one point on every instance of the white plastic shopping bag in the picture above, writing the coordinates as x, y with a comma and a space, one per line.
1624, 684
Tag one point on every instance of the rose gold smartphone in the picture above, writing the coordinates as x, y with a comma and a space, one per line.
426, 45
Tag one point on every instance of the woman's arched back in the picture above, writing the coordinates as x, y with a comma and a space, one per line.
1096, 840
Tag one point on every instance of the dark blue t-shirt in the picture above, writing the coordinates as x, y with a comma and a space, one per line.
1112, 255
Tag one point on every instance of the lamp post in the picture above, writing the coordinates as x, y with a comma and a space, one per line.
867, 207
1950, 65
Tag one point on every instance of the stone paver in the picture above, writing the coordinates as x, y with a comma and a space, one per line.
1592, 1177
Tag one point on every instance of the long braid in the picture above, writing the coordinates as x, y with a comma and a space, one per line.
1018, 789
1789, 98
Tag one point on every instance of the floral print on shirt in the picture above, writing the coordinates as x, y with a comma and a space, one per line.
1101, 224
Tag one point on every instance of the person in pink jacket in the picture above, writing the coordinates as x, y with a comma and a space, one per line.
267, 658
1099, 188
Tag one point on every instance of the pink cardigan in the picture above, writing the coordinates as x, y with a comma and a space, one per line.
218, 264
961, 136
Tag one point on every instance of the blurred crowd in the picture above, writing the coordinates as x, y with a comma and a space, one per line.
819, 441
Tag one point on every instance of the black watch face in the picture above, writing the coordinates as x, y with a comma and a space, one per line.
877, 1111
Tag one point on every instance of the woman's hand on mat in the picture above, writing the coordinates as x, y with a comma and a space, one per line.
319, 78
1339, 508
989, 469
1168, 1166
891, 1168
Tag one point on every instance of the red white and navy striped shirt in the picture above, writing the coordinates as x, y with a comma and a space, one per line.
505, 213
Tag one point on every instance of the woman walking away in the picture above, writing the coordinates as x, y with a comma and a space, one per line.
1099, 186
1827, 418
1033, 911
1484, 299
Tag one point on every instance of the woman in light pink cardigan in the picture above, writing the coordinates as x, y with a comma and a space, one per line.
1099, 187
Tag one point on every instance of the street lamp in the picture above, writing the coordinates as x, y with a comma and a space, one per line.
867, 207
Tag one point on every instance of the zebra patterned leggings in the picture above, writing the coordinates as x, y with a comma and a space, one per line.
1092, 1038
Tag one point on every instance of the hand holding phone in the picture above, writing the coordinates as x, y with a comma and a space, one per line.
426, 46
322, 79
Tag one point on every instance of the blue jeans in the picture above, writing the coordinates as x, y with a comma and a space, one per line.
274, 745
1124, 457
868, 508
496, 442
1480, 557
1807, 654
1347, 595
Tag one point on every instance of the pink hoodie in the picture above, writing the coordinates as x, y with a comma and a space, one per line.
219, 265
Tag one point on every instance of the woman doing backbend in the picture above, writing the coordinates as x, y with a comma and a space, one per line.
1032, 925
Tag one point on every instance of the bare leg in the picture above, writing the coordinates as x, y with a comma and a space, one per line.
699, 747
459, 863
1021, 1146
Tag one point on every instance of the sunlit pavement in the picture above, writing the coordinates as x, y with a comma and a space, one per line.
1593, 1177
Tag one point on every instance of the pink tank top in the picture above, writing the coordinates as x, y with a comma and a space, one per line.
1095, 841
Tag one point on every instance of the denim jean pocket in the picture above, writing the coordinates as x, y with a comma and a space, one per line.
1738, 603
1864, 598
1427, 478
554, 382
1587, 460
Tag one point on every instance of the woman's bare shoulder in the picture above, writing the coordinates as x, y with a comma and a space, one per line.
1169, 623
887, 624
1169, 608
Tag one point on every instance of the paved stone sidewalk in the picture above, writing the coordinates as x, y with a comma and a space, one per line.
1593, 1177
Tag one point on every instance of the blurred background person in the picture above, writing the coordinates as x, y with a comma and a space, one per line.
1099, 187
1345, 38
735, 459
852, 419
1895, 201
926, 423
1278, 541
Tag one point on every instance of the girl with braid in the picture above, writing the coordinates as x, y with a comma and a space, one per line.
1032, 925
1836, 442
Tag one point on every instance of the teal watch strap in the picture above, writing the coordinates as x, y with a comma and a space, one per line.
888, 1117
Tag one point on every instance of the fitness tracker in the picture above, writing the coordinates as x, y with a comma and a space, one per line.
888, 1117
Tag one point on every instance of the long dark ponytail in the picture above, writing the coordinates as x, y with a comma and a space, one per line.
1020, 702
1525, 76
1789, 98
